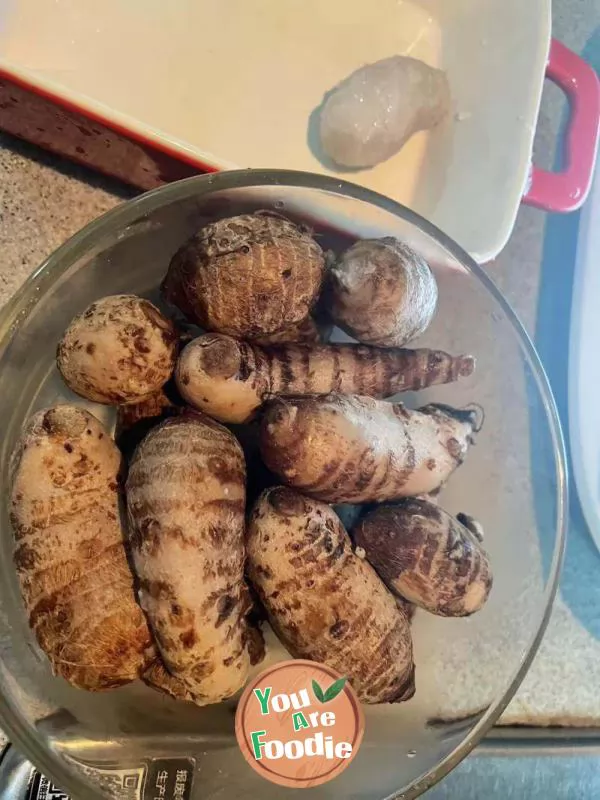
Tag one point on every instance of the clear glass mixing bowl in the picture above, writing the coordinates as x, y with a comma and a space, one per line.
513, 481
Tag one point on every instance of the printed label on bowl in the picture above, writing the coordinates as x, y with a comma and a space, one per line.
299, 724
151, 779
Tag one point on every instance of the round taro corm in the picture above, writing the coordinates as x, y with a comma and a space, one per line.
121, 349
382, 292
247, 276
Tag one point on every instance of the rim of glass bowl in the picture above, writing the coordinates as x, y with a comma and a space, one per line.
120, 217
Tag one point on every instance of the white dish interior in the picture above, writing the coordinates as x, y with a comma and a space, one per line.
234, 83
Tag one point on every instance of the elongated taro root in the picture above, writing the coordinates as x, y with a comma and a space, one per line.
347, 449
229, 379
121, 349
323, 602
426, 556
382, 292
370, 115
248, 276
69, 553
186, 501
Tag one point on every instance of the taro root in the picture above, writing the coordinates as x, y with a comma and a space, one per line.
348, 449
75, 580
121, 349
426, 556
248, 276
325, 603
382, 292
304, 332
229, 379
136, 420
186, 501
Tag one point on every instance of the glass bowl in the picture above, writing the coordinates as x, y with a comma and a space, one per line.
513, 481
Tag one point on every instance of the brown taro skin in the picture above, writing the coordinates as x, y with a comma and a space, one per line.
426, 556
304, 332
135, 420
152, 408
323, 602
229, 379
249, 276
155, 676
349, 449
121, 349
186, 505
382, 292
69, 553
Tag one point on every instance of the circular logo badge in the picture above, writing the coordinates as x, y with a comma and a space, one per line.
299, 724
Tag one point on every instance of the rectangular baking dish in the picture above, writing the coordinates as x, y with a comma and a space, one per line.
225, 83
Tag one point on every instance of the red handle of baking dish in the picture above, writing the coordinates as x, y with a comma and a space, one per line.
566, 190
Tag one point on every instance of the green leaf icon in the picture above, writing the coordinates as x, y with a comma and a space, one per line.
318, 692
335, 688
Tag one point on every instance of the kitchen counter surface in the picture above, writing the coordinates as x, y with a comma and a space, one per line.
43, 200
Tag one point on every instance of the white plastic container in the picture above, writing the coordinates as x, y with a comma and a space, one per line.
584, 366
226, 83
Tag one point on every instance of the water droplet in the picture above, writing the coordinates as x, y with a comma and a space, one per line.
411, 753
279, 204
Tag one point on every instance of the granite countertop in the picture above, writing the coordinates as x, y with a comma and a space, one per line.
43, 200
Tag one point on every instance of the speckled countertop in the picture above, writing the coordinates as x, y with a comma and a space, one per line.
43, 200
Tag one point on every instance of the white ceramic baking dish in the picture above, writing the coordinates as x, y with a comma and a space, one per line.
224, 83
